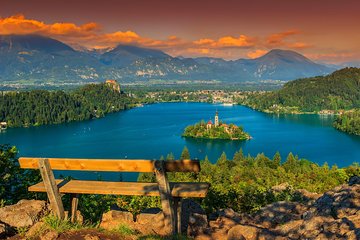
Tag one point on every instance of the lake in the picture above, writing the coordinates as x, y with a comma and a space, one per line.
154, 130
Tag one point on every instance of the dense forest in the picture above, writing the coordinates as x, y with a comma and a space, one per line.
339, 90
223, 131
242, 182
349, 122
246, 183
38, 107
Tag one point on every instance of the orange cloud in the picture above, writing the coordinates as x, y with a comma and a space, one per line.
257, 53
228, 41
299, 45
333, 57
91, 35
278, 38
18, 24
282, 40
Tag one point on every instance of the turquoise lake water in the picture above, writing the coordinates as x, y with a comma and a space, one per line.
154, 130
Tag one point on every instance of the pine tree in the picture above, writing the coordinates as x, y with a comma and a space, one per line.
206, 160
290, 163
238, 156
170, 156
277, 159
222, 161
185, 154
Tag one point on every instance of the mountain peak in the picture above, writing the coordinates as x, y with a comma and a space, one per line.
123, 55
32, 42
285, 54
139, 51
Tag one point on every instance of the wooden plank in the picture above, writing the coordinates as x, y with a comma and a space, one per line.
186, 189
165, 197
74, 206
40, 187
114, 165
51, 188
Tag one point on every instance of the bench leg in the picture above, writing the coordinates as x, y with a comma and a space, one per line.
51, 188
177, 210
74, 206
165, 196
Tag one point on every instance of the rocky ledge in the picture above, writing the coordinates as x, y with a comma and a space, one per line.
332, 215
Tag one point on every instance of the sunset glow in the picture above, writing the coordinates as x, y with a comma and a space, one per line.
325, 31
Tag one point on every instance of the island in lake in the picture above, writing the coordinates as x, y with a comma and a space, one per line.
218, 130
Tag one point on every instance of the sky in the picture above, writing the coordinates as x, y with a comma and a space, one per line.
324, 30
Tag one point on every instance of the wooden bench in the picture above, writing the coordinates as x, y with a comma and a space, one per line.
170, 193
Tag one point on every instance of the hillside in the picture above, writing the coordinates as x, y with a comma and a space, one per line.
39, 107
34, 58
42, 59
339, 90
349, 122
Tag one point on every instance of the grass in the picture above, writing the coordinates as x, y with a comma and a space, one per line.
22, 230
60, 225
2, 203
125, 230
53, 223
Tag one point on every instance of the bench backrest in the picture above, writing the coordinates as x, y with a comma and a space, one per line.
114, 165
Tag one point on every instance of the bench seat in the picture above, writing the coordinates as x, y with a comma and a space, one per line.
171, 193
184, 189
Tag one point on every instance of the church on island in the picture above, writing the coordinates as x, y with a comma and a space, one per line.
216, 124
216, 130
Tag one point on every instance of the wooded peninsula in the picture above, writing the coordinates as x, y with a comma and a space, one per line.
39, 107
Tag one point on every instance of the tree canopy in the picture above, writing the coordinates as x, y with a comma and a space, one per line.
38, 107
339, 90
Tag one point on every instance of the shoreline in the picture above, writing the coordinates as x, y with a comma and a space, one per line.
226, 139
137, 105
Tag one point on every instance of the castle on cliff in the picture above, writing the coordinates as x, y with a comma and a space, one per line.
114, 84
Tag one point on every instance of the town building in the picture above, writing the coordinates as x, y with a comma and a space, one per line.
209, 125
3, 125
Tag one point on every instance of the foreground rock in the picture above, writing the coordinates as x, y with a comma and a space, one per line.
147, 223
23, 214
113, 219
333, 215
151, 221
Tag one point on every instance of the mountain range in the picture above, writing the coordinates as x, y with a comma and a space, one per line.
41, 59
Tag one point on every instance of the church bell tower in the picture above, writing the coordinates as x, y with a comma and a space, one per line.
216, 119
